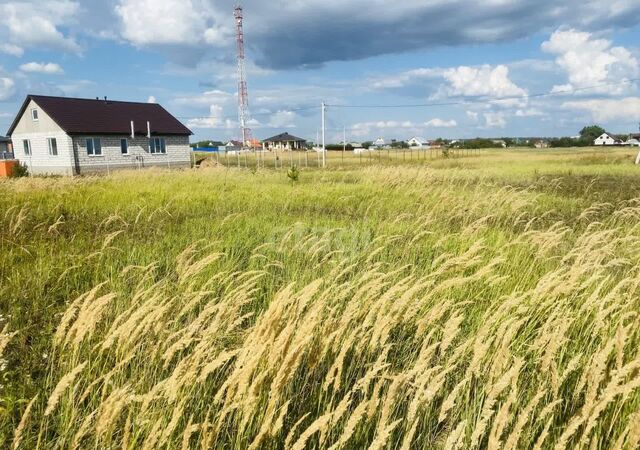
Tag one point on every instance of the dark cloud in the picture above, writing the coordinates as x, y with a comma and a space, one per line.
317, 33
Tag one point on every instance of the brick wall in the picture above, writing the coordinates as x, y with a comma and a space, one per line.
178, 154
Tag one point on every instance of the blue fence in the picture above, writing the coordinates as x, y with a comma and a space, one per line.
207, 149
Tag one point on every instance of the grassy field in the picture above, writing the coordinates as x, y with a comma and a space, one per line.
484, 301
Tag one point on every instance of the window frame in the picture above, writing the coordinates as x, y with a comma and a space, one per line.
93, 141
26, 147
157, 146
52, 144
35, 116
124, 141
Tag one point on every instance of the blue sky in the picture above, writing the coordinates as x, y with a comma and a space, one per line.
486, 60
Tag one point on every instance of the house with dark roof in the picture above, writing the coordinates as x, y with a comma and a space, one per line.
607, 140
72, 136
284, 141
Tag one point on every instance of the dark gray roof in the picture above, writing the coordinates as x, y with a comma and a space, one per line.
4, 139
285, 137
83, 116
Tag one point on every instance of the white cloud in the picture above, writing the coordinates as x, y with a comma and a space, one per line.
483, 81
590, 62
159, 21
215, 120
47, 68
495, 119
283, 119
402, 127
11, 49
404, 78
172, 23
604, 110
439, 123
532, 112
32, 24
472, 115
7, 88
152, 99
207, 98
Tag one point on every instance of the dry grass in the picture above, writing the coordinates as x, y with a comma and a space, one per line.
473, 319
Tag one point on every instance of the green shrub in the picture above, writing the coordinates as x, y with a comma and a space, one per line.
19, 171
293, 174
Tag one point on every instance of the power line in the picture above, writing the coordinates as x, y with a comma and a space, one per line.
485, 99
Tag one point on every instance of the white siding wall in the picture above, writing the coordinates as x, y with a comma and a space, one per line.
40, 162
178, 153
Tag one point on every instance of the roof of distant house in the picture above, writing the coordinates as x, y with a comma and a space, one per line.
285, 137
100, 116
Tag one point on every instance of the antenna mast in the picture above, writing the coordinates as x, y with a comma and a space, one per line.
243, 95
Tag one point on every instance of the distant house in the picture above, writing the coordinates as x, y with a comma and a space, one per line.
607, 140
435, 144
418, 142
500, 143
232, 146
284, 141
379, 143
633, 140
71, 136
541, 144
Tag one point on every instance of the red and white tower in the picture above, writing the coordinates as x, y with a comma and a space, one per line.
243, 95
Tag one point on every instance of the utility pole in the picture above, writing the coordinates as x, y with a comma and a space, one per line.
243, 96
324, 148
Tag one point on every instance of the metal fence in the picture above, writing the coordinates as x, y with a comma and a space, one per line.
314, 159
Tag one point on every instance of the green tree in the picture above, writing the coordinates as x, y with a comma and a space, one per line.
590, 133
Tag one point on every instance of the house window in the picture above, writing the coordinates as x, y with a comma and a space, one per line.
157, 145
124, 146
53, 146
26, 145
34, 115
94, 148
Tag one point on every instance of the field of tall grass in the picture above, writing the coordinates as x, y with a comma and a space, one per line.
490, 301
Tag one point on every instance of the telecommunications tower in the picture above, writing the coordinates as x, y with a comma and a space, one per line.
243, 95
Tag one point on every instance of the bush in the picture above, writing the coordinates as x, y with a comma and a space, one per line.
293, 174
20, 171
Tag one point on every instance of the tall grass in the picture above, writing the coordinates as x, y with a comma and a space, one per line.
406, 307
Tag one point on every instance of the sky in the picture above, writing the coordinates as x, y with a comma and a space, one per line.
426, 68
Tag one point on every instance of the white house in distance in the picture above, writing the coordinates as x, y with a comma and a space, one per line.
379, 143
633, 141
418, 142
606, 139
71, 136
